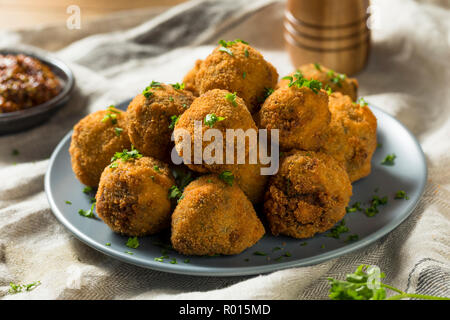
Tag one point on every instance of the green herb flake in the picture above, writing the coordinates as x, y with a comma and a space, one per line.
317, 66
362, 102
125, 156
389, 160
244, 75
156, 168
108, 244
299, 81
259, 253
276, 249
175, 192
224, 49
16, 288
401, 195
352, 237
322, 246
268, 92
118, 131
129, 252
303, 244
336, 231
173, 121
173, 261
246, 53
68, 202
89, 213
227, 177
178, 86
287, 254
132, 243
211, 119
231, 97
186, 261
15, 152
87, 190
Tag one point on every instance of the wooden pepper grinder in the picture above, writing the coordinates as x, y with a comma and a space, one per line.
331, 32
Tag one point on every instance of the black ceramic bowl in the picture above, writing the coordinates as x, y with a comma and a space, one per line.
24, 119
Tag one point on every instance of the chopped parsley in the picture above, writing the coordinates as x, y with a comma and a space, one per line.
129, 252
401, 195
259, 253
373, 209
389, 160
322, 246
175, 193
303, 244
87, 190
147, 91
328, 89
362, 102
15, 152
171, 99
231, 97
299, 81
118, 131
111, 116
244, 75
173, 261
132, 243
225, 49
352, 237
227, 177
156, 168
317, 66
246, 53
68, 202
125, 156
337, 230
268, 92
108, 244
276, 249
89, 213
355, 207
16, 288
178, 86
336, 77
211, 119
186, 261
173, 121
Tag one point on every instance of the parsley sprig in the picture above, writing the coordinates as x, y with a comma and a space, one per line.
147, 91
212, 118
227, 177
299, 81
125, 156
132, 242
173, 121
231, 97
336, 77
224, 46
178, 86
87, 213
389, 160
111, 115
336, 231
365, 284
16, 288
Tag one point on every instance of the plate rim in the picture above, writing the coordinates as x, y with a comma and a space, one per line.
235, 271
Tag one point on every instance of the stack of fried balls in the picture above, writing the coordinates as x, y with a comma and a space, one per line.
326, 142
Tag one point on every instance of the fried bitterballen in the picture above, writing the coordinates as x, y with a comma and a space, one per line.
189, 78
95, 139
237, 67
221, 110
214, 217
151, 116
352, 135
337, 82
132, 198
299, 113
308, 195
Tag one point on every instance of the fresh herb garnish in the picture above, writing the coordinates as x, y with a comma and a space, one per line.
175, 193
173, 261
244, 75
352, 237
337, 230
259, 253
16, 288
317, 66
15, 152
268, 92
389, 160
68, 202
87, 190
365, 284
362, 102
246, 53
118, 131
225, 49
186, 261
178, 86
211, 119
401, 195
89, 213
336, 77
173, 121
132, 243
125, 156
156, 168
129, 252
227, 177
108, 244
112, 116
231, 97
299, 81
373, 209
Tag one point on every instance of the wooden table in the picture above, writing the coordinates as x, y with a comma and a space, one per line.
18, 14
